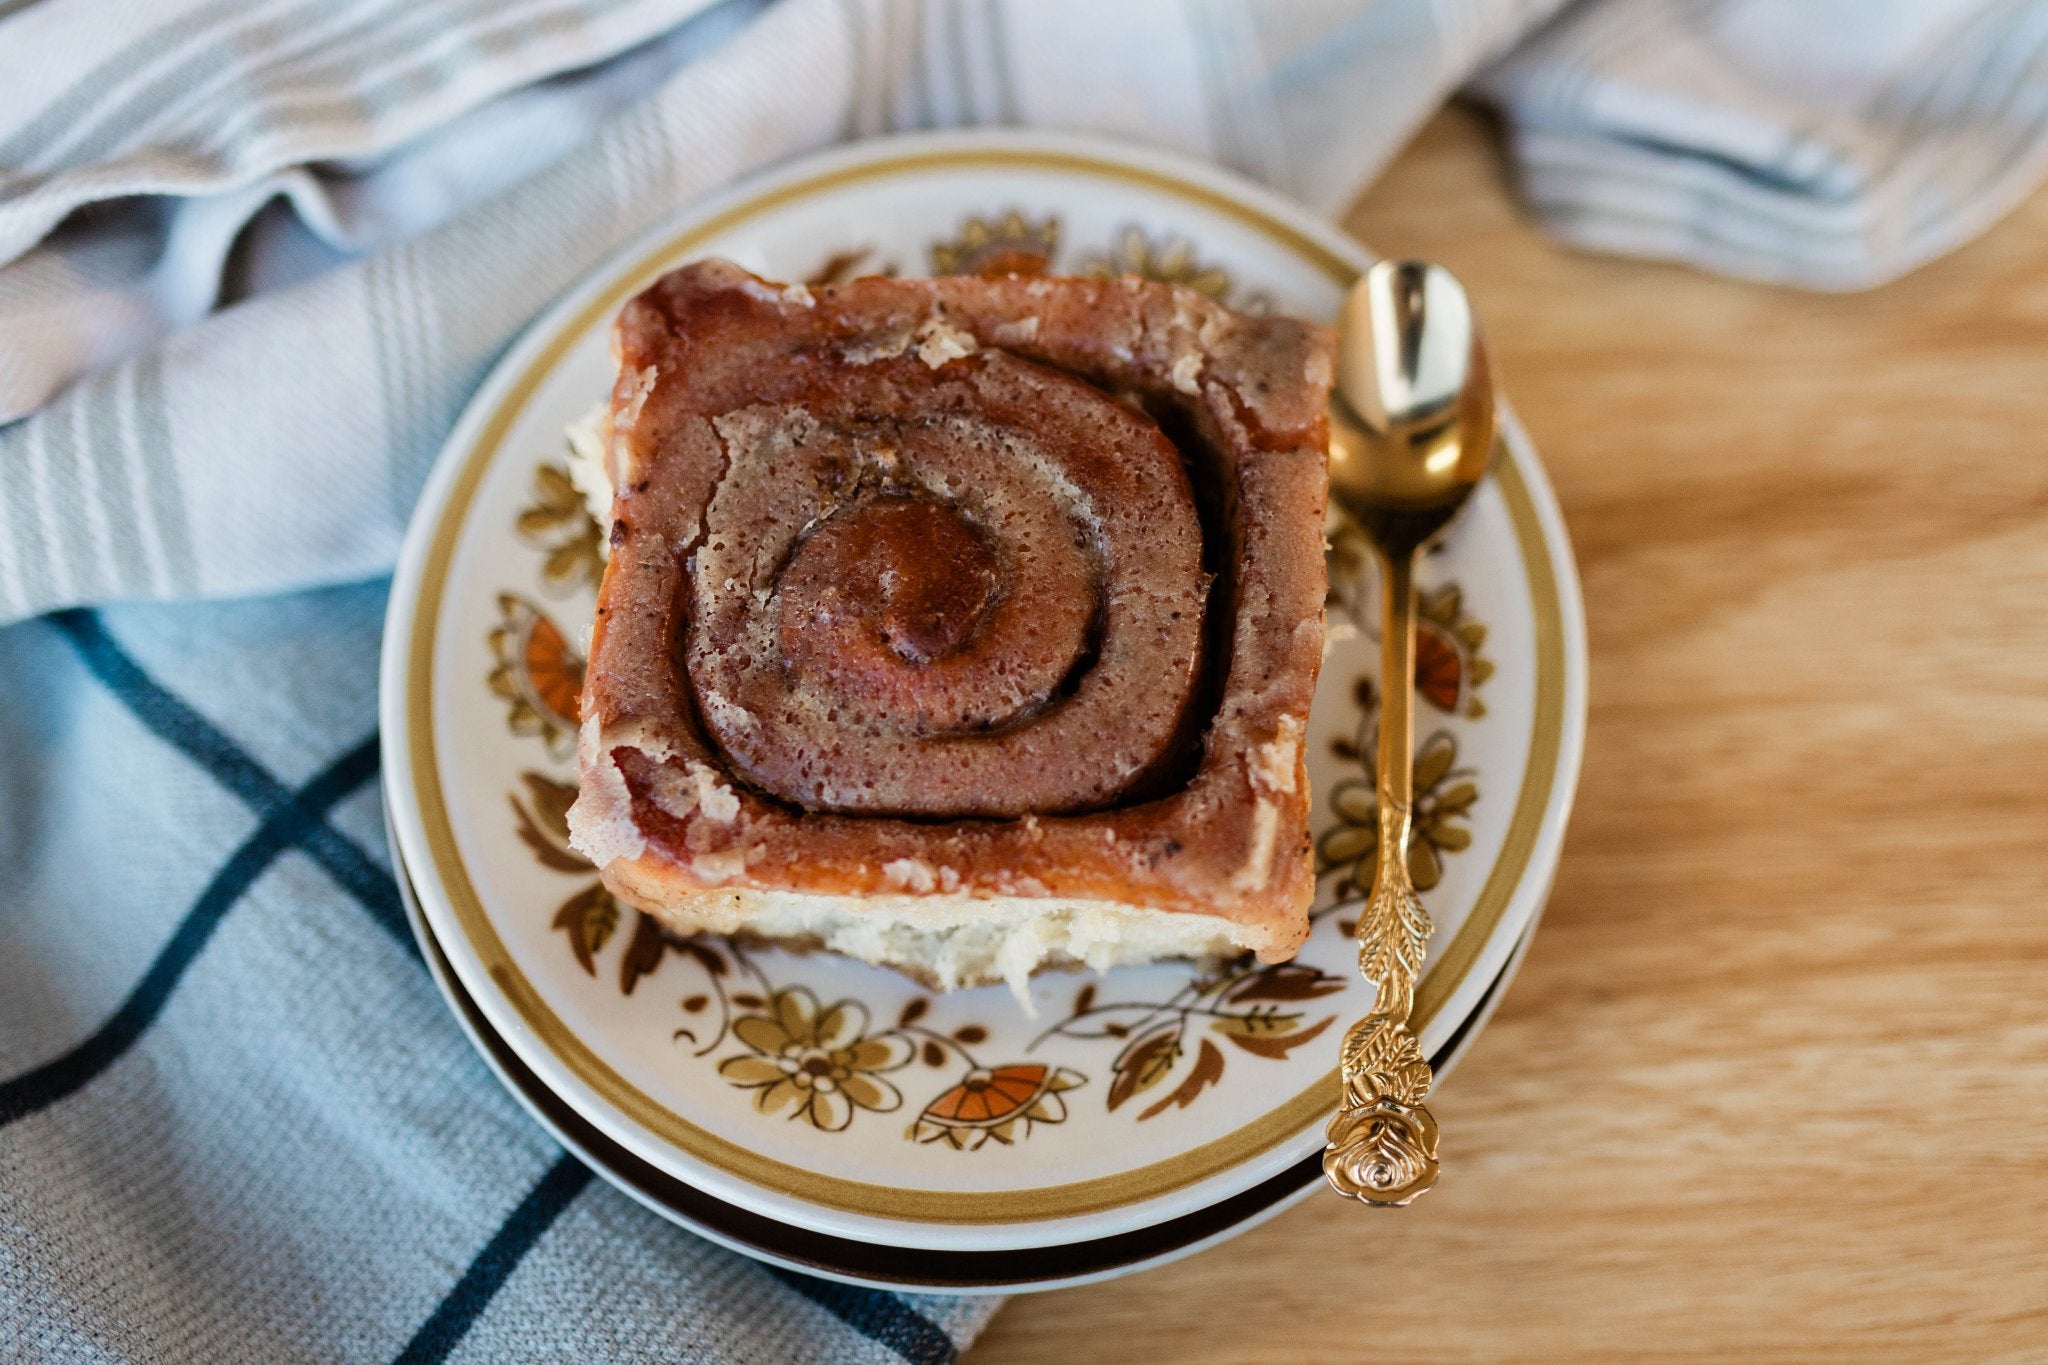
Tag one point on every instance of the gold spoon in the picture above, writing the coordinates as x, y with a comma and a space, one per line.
1411, 435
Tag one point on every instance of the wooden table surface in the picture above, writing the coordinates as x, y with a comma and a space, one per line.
1773, 1083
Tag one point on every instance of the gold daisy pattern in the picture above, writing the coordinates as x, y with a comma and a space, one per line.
559, 522
1444, 796
537, 673
1008, 244
816, 1062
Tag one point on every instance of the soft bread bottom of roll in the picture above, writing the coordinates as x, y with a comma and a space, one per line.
952, 941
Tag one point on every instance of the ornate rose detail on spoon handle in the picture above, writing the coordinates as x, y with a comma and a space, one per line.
1381, 1146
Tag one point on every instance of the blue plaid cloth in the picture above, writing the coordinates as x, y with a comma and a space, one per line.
237, 1123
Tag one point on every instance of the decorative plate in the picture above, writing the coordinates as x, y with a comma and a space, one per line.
1023, 1269
833, 1096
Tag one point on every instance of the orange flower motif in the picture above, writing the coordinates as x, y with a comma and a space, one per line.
818, 1063
538, 674
991, 1102
1009, 244
1439, 668
1449, 664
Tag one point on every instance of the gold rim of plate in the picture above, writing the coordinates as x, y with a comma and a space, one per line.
1077, 1198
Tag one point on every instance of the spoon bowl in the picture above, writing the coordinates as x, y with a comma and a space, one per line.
1412, 419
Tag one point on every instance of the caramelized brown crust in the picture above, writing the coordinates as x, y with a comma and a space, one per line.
911, 592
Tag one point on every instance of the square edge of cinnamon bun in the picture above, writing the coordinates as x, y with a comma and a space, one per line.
964, 625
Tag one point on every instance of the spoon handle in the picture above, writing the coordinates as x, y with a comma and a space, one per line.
1381, 1145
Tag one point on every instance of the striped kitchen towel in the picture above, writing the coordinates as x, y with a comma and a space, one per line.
254, 254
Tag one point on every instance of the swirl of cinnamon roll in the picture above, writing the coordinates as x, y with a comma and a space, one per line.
973, 589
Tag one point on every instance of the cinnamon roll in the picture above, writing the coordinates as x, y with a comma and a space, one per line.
963, 625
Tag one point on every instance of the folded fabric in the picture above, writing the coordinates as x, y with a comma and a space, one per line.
1834, 144
373, 121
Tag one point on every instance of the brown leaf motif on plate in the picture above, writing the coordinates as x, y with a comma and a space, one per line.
1254, 1008
591, 914
588, 918
558, 521
543, 822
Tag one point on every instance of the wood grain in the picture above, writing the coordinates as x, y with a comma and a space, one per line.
1773, 1084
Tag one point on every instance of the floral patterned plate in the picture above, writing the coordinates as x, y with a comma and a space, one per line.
843, 1099
874, 1264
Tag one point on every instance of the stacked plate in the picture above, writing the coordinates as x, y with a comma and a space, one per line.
835, 1117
